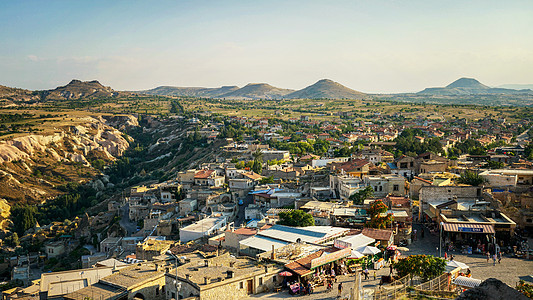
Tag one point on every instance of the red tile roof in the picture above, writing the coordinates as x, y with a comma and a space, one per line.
423, 180
203, 174
302, 266
377, 234
245, 231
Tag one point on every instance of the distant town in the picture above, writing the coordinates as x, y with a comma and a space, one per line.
270, 207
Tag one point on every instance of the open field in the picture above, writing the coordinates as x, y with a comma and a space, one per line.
323, 110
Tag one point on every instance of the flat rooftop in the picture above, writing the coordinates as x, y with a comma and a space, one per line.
203, 225
133, 275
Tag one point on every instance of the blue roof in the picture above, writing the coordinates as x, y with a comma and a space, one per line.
392, 166
264, 191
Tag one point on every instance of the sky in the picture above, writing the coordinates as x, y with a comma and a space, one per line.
373, 46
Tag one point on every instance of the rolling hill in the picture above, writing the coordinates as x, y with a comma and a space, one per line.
190, 91
257, 91
77, 89
469, 86
9, 94
326, 89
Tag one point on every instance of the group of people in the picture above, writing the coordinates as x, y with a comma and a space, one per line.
495, 257
446, 256
297, 288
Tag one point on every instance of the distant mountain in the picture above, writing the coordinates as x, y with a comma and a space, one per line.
190, 91
257, 91
469, 86
326, 89
6, 92
77, 89
516, 86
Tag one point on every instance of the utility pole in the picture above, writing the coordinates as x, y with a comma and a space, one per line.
440, 240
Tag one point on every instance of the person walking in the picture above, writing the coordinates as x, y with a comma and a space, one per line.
309, 288
488, 257
340, 290
366, 273
445, 255
499, 257
494, 259
390, 267
374, 275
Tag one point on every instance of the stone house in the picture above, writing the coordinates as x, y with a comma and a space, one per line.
221, 277
55, 249
109, 244
152, 248
388, 184
141, 281
416, 184
405, 166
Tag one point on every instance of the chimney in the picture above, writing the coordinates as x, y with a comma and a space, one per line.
188, 276
266, 268
206, 262
231, 264
156, 267
229, 273
206, 280
273, 256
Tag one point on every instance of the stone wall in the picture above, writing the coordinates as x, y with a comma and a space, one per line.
431, 194
151, 289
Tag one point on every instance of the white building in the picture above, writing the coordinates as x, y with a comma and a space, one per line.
205, 227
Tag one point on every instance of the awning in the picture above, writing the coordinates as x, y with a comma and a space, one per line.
430, 214
467, 281
468, 228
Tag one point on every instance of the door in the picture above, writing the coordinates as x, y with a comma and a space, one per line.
250, 286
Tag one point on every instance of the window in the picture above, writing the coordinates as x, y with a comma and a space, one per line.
260, 280
274, 279
380, 188
173, 295
157, 290
241, 285
395, 187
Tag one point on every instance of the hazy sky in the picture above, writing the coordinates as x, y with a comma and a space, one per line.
371, 46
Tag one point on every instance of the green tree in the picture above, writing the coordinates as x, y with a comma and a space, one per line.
425, 266
297, 218
23, 218
257, 165
266, 180
528, 151
239, 165
495, 164
13, 240
360, 196
472, 178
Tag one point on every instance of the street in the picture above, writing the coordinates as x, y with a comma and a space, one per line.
129, 226
240, 215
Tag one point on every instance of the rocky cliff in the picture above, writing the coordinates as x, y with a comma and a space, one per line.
32, 167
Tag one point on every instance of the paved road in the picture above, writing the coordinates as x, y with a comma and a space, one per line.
125, 222
240, 215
